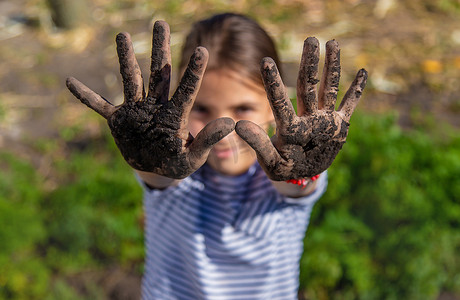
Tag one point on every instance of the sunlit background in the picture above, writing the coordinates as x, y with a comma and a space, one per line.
71, 209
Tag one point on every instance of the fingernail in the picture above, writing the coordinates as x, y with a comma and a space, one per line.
312, 41
363, 73
332, 46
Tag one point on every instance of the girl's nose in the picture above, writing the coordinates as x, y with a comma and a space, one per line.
224, 115
230, 140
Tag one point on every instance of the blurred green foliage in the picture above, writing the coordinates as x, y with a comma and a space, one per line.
91, 221
388, 226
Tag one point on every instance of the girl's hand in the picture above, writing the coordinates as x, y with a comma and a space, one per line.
306, 144
150, 131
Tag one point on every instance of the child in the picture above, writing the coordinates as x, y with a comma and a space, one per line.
221, 220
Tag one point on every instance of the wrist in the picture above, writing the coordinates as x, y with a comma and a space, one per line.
303, 182
155, 181
287, 188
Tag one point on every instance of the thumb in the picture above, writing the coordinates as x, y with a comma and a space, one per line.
90, 98
257, 138
212, 133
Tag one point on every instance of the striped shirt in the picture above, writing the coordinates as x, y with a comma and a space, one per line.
224, 237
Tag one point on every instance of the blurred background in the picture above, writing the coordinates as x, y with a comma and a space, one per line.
71, 210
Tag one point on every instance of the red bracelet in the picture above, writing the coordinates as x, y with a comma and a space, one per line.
302, 182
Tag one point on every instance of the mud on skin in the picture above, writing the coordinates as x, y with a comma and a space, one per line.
151, 131
150, 136
147, 145
305, 145
160, 69
307, 153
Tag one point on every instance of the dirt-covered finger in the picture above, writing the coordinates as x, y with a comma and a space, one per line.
190, 82
257, 138
281, 105
307, 78
133, 86
160, 68
90, 98
212, 133
351, 98
327, 96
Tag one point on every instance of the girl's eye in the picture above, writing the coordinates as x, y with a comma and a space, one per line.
244, 109
199, 109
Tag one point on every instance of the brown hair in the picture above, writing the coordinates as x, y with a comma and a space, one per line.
234, 41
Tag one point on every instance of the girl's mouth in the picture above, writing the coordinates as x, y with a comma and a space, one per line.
223, 153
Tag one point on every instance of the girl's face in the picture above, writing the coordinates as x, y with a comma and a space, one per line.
225, 93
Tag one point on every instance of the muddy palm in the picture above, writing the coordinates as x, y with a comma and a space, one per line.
150, 130
306, 144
